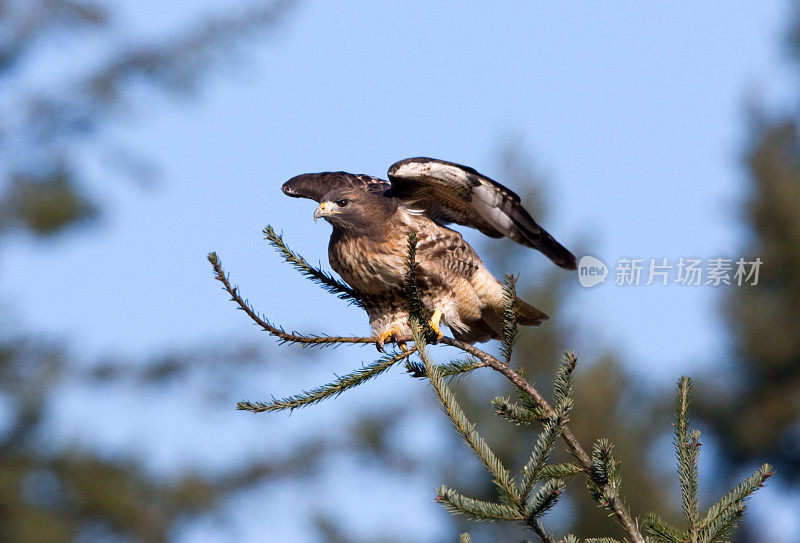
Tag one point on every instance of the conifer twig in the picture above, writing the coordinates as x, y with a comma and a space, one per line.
518, 414
616, 504
477, 510
277, 331
723, 515
687, 449
315, 274
502, 476
332, 389
510, 332
448, 369
516, 503
416, 309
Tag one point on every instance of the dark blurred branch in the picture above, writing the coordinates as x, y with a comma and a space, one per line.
41, 126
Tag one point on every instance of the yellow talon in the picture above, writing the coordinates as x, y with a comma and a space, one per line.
434, 323
388, 335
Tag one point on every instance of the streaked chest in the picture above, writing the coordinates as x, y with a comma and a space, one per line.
368, 264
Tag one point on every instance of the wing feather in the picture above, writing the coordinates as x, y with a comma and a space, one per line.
316, 185
451, 192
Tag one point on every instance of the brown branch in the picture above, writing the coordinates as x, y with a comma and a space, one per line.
620, 510
618, 507
277, 331
538, 529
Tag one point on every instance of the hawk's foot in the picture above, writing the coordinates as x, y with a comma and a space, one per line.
434, 323
391, 335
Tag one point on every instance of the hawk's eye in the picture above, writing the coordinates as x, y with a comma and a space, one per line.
341, 203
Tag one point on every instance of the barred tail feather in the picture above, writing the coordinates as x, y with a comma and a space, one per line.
529, 315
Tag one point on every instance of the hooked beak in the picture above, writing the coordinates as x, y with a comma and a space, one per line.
324, 209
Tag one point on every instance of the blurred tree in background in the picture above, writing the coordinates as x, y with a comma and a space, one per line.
49, 495
757, 413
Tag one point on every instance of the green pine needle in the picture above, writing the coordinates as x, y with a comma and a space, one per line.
605, 470
450, 369
662, 531
329, 390
722, 526
502, 476
564, 378
687, 449
513, 412
544, 499
510, 317
315, 274
604, 464
735, 499
559, 471
545, 443
478, 510
416, 309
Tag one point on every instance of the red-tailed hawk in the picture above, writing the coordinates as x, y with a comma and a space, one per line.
373, 218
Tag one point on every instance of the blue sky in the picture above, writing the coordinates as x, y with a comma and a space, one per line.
634, 114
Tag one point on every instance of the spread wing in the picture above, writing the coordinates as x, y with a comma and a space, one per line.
450, 192
316, 185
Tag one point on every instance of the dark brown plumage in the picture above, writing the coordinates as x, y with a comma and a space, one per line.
372, 219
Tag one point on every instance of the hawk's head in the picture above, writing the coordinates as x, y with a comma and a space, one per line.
355, 210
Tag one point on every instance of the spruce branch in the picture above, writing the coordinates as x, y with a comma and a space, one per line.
523, 504
416, 309
329, 390
448, 369
687, 449
721, 527
465, 538
545, 443
723, 515
544, 499
502, 476
277, 331
564, 382
559, 471
315, 274
510, 332
513, 412
616, 503
536, 526
734, 500
478, 510
662, 531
